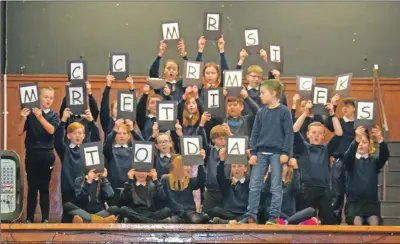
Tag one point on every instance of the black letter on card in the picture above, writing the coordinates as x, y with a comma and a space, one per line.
143, 153
28, 94
30, 98
170, 31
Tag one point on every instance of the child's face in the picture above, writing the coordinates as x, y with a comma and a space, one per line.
267, 96
76, 137
171, 71
191, 106
46, 98
316, 135
164, 144
211, 75
234, 109
152, 105
238, 170
220, 142
141, 176
122, 136
114, 110
254, 79
348, 110
363, 146
186, 169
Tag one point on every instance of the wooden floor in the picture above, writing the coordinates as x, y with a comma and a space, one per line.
172, 233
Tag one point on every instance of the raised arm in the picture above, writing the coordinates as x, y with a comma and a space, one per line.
300, 121
384, 153
105, 116
94, 108
155, 66
59, 135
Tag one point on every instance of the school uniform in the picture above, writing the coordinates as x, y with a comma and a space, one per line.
39, 160
181, 202
89, 200
235, 194
162, 163
272, 136
338, 174
307, 121
254, 94
314, 167
139, 202
243, 125
71, 161
77, 118
362, 181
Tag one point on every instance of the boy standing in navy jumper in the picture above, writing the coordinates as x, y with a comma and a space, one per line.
40, 126
271, 142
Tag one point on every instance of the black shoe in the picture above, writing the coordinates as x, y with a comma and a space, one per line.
177, 220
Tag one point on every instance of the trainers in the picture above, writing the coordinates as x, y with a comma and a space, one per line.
312, 221
280, 221
271, 222
45, 221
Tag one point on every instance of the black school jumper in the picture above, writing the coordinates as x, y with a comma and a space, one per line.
362, 182
142, 208
71, 162
39, 160
314, 176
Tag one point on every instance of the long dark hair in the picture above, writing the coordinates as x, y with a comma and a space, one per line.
150, 189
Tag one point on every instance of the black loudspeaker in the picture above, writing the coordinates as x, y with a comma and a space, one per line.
12, 186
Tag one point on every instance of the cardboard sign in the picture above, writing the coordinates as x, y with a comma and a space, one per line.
143, 159
304, 86
170, 31
233, 81
252, 41
236, 147
119, 65
275, 58
126, 105
77, 71
156, 83
320, 99
77, 98
212, 27
214, 102
29, 95
167, 114
192, 73
365, 114
92, 156
190, 150
343, 84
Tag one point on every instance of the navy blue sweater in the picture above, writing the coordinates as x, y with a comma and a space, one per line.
243, 125
85, 194
254, 94
190, 129
71, 162
314, 160
145, 196
272, 131
346, 139
179, 201
145, 123
307, 122
362, 177
162, 165
106, 121
37, 137
235, 196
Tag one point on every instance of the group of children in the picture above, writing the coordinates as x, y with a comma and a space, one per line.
289, 177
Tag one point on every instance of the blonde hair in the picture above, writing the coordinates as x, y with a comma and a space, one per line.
255, 69
218, 81
315, 124
218, 131
177, 172
48, 88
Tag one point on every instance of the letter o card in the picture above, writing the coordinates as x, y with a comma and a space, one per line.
190, 150
77, 98
236, 150
119, 65
343, 84
192, 73
304, 86
365, 114
143, 156
167, 114
252, 40
77, 71
92, 156
126, 105
212, 26
29, 95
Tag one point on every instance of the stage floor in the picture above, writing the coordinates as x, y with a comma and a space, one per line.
186, 233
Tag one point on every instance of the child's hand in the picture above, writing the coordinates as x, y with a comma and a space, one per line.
163, 48
376, 133
203, 154
248, 152
146, 89
155, 130
293, 163
131, 174
67, 113
88, 115
196, 92
188, 90
225, 91
243, 93
178, 128
130, 81
117, 124
68, 83
130, 124
253, 160
25, 112
167, 90
201, 44
330, 109
222, 154
227, 129
91, 175
284, 158
109, 78
309, 106
37, 112
296, 98
181, 47
204, 119
221, 44
104, 174
153, 174
88, 87
264, 55
360, 131
335, 99
243, 54
276, 74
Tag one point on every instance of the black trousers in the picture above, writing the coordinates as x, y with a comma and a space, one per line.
39, 165
144, 215
318, 198
338, 188
67, 197
191, 217
225, 214
212, 199
115, 201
